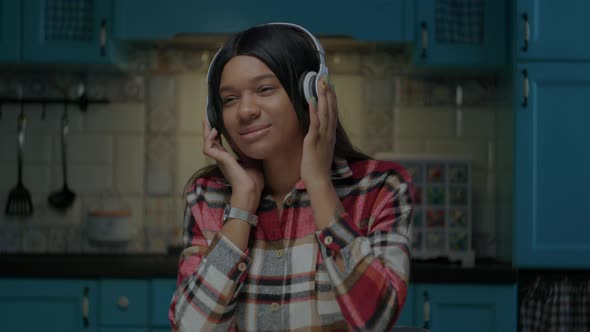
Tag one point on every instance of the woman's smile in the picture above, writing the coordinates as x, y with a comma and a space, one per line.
253, 133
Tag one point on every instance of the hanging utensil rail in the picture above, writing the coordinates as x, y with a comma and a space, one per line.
82, 102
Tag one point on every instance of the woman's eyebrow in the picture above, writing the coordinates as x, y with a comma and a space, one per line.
254, 79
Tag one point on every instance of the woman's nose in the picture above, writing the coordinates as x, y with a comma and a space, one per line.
249, 108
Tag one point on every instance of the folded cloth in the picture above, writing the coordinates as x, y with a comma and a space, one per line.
560, 306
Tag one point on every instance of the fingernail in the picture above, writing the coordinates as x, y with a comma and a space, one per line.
314, 101
326, 80
332, 87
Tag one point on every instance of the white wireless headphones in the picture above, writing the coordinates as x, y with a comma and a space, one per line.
309, 82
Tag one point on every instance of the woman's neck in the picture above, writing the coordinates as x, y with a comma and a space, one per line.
281, 173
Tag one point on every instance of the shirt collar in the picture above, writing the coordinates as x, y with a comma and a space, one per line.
340, 170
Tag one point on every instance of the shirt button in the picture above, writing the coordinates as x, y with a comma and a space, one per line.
289, 201
242, 267
280, 253
328, 240
274, 306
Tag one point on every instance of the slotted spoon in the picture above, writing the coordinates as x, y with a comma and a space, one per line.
19, 201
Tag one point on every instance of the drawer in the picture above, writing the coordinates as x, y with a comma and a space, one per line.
162, 290
124, 302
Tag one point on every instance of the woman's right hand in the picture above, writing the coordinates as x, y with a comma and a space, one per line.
245, 176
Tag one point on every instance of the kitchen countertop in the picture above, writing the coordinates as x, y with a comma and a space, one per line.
486, 271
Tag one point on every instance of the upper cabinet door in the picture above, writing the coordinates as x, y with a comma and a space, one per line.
372, 20
461, 33
10, 15
67, 31
552, 30
552, 163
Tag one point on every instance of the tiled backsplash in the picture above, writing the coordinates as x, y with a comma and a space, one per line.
146, 143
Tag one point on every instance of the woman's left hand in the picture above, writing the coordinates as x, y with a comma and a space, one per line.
318, 145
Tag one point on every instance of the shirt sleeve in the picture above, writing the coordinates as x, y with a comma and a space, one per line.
209, 280
372, 287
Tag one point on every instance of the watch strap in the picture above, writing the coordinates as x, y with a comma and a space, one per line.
237, 213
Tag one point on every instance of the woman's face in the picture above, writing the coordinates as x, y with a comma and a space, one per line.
258, 115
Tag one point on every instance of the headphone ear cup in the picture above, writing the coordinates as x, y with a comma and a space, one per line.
210, 117
307, 85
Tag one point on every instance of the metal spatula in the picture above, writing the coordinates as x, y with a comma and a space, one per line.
19, 199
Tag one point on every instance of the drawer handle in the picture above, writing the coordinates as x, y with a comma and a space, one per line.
103, 37
426, 310
527, 32
85, 307
123, 303
424, 55
525, 88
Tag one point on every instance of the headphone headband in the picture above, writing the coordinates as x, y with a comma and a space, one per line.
309, 81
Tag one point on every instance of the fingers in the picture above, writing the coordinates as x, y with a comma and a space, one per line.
323, 111
314, 121
332, 109
327, 110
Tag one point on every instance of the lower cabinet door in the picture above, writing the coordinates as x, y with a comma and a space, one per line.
48, 305
162, 292
458, 308
406, 317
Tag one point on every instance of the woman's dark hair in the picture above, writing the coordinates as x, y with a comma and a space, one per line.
288, 52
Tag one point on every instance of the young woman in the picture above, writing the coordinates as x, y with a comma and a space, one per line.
295, 230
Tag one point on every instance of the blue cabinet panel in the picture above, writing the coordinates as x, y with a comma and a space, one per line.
406, 317
458, 308
556, 30
10, 24
378, 20
48, 305
430, 50
552, 158
53, 33
162, 292
124, 302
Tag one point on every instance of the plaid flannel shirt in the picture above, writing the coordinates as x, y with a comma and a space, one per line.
287, 280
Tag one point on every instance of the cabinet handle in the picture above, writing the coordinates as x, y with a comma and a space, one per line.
103, 37
123, 303
426, 310
525, 88
85, 307
527, 32
424, 54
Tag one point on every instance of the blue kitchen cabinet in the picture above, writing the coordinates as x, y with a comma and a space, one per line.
551, 30
124, 302
73, 32
162, 292
458, 308
10, 37
468, 36
552, 158
406, 317
65, 305
373, 20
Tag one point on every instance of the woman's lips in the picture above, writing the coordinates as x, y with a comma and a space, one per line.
254, 133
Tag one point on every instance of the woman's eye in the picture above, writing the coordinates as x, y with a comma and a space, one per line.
227, 100
266, 89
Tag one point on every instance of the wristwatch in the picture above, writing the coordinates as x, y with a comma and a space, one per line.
236, 213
